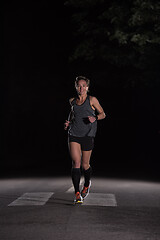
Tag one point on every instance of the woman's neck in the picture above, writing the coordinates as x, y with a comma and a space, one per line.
82, 97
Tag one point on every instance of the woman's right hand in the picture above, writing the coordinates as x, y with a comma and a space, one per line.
66, 124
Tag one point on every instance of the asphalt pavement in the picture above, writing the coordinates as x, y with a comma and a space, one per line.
43, 209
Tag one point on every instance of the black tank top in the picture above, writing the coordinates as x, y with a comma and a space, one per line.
80, 125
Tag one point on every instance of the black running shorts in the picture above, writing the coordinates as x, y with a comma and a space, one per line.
87, 143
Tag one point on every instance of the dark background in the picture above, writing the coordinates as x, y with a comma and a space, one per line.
40, 60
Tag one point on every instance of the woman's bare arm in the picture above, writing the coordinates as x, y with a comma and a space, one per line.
96, 105
70, 117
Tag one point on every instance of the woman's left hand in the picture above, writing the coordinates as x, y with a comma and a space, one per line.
92, 119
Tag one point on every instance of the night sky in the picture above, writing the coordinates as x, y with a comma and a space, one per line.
38, 81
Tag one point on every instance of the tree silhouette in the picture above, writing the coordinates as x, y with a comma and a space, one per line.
119, 34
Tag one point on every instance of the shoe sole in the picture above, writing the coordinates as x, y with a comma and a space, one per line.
78, 202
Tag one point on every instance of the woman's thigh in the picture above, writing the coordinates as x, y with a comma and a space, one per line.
75, 153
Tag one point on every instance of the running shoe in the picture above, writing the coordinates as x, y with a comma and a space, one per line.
85, 191
78, 198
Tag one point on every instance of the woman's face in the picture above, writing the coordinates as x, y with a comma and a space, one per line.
82, 87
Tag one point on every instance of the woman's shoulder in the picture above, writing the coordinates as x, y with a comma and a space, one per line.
93, 99
71, 100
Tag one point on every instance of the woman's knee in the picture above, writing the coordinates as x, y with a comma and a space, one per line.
86, 159
76, 164
85, 165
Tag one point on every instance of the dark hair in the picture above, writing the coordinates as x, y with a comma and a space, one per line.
82, 78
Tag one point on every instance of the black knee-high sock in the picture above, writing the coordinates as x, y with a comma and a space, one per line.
87, 176
76, 175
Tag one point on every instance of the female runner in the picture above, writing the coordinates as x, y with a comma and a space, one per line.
82, 124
